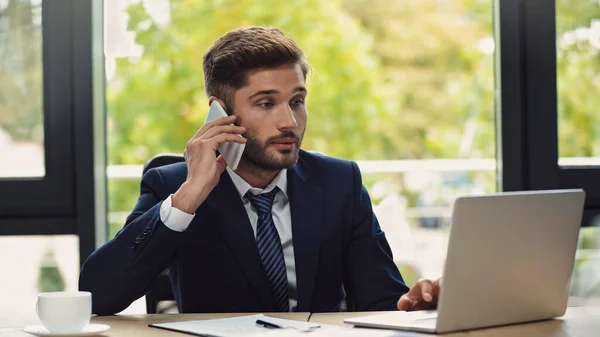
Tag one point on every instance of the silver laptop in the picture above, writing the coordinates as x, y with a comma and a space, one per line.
510, 258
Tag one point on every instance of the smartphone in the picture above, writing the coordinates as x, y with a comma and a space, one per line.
231, 152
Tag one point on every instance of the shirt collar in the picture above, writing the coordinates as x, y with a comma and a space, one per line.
243, 187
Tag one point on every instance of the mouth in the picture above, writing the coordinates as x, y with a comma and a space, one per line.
285, 143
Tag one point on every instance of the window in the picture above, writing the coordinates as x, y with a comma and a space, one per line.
50, 185
585, 283
36, 264
420, 122
21, 113
39, 263
36, 128
541, 104
405, 88
578, 80
533, 124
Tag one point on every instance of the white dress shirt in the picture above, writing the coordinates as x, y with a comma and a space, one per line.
178, 220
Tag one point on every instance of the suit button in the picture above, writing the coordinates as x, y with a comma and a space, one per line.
146, 231
138, 240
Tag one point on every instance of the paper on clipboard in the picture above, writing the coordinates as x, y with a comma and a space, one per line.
233, 327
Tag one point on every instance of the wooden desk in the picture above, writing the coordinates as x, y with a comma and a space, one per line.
577, 322
137, 325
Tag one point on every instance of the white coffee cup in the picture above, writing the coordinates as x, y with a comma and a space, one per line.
64, 311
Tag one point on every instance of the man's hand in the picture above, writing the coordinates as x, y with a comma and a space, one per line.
203, 166
423, 295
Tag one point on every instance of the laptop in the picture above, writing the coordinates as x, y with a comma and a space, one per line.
510, 258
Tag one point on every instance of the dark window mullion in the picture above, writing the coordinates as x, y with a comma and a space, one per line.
542, 111
52, 195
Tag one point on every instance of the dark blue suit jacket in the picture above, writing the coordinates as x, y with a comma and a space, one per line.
215, 265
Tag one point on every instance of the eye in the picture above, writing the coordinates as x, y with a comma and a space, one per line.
265, 105
297, 103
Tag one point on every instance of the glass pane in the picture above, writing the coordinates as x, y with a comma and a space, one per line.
578, 80
33, 264
585, 284
21, 110
406, 88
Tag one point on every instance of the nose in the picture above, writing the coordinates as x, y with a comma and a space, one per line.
287, 119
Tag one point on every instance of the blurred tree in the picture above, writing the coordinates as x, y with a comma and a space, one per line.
21, 69
438, 63
50, 278
391, 80
578, 69
157, 101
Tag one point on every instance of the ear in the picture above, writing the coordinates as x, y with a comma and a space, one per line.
214, 98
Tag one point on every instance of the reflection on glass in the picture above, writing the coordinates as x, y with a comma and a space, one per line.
21, 111
578, 80
50, 278
585, 285
31, 264
414, 210
396, 85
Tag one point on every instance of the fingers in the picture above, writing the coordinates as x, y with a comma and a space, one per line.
221, 164
423, 295
219, 121
404, 303
415, 291
426, 290
215, 133
225, 137
195, 147
219, 129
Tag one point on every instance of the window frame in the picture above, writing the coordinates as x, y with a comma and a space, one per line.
52, 194
528, 105
71, 198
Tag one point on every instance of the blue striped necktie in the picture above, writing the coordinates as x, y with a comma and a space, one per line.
269, 247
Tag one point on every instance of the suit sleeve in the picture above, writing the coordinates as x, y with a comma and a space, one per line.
371, 278
123, 269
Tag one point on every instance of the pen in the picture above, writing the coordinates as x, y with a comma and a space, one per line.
268, 325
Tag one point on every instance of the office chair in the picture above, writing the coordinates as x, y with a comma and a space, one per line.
160, 299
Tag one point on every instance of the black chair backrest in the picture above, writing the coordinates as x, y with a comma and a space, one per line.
162, 160
161, 291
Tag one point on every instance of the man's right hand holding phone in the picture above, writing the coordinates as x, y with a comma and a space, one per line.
204, 167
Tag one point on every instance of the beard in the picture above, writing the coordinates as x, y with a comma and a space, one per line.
258, 154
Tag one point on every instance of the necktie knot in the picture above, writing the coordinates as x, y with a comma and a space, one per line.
263, 203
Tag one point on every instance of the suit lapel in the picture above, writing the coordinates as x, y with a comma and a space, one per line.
237, 232
305, 205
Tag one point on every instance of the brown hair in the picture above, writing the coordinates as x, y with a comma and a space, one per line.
228, 60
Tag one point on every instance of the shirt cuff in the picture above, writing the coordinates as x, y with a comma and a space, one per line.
174, 218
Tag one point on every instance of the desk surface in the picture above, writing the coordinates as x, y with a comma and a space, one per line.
578, 322
137, 325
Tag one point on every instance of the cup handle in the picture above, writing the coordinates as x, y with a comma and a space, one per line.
37, 307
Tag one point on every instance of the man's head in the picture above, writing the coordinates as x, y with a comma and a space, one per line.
259, 75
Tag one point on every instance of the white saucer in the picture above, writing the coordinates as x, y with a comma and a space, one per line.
89, 330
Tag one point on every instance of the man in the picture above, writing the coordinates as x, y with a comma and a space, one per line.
286, 231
